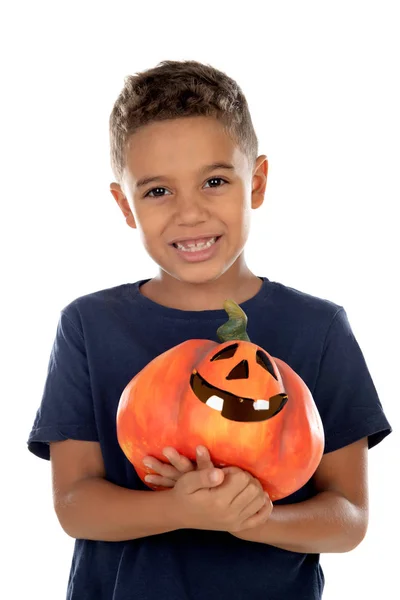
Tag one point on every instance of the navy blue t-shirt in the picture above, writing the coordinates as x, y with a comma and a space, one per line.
103, 339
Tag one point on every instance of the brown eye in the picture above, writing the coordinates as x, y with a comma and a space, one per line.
156, 193
216, 179
227, 352
263, 360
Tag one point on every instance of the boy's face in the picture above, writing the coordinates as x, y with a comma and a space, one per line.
193, 218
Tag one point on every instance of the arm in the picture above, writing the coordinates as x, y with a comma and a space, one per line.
90, 507
335, 520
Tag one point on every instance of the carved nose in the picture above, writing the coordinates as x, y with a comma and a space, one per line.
241, 371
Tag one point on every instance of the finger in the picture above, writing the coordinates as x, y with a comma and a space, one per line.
231, 470
191, 482
260, 517
252, 507
161, 468
179, 461
252, 491
203, 458
234, 484
161, 481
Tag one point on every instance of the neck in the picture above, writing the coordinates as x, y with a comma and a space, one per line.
238, 284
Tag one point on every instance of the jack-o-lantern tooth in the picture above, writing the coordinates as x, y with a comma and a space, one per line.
216, 403
261, 405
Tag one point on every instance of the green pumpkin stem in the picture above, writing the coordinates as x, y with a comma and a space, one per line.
235, 328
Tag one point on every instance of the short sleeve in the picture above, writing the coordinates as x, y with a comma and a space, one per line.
66, 409
345, 394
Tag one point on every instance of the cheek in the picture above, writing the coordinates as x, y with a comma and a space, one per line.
150, 223
236, 214
246, 223
242, 224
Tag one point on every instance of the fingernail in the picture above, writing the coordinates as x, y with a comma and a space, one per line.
147, 463
148, 478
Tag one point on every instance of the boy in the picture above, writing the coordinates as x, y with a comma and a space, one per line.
211, 534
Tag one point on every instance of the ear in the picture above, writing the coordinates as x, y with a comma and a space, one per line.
123, 203
260, 174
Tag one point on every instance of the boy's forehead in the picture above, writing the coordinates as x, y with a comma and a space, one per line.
180, 146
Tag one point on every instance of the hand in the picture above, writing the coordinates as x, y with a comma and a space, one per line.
168, 474
221, 500
248, 533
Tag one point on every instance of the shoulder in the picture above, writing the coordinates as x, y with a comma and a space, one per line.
299, 307
96, 302
304, 300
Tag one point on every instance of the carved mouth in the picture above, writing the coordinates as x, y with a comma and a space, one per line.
234, 407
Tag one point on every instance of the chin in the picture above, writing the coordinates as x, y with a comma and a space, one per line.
198, 273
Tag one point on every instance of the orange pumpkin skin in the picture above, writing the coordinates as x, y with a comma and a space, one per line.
158, 408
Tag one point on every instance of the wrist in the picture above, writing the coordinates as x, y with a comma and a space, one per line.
171, 510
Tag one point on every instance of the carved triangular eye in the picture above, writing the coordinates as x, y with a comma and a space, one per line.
263, 360
227, 352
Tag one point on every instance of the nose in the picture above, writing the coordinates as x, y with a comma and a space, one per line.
190, 210
241, 371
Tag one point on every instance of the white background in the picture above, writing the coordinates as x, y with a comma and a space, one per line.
321, 80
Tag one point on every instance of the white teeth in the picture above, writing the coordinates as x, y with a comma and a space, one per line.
261, 405
216, 403
193, 247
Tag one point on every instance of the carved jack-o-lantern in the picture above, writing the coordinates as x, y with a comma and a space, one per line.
248, 408
239, 380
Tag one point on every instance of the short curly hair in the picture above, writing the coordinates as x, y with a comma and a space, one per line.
175, 89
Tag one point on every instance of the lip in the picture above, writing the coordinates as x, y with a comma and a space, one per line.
195, 237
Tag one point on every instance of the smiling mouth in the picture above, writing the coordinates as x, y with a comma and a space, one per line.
196, 245
236, 408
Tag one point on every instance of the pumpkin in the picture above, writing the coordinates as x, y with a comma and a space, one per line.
248, 408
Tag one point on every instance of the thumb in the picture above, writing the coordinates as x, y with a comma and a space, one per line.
197, 480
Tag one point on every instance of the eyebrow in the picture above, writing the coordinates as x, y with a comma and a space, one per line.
218, 165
